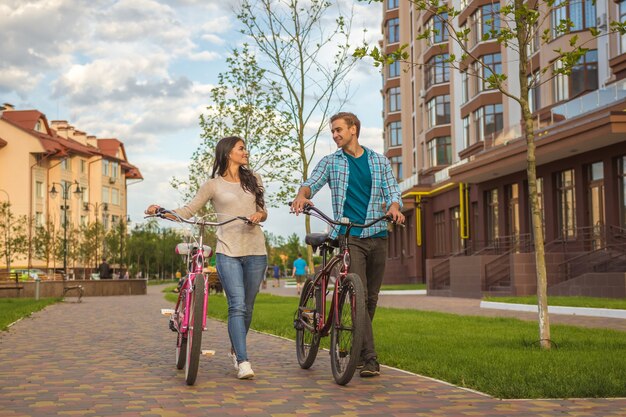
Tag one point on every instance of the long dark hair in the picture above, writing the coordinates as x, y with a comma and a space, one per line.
248, 180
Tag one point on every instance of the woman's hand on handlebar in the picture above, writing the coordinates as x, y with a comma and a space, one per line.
257, 217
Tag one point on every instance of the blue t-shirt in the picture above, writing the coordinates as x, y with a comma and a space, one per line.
359, 191
300, 266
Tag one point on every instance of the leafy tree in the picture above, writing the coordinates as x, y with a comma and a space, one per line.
308, 59
13, 236
244, 104
518, 26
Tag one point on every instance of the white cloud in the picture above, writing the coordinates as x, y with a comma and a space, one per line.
204, 56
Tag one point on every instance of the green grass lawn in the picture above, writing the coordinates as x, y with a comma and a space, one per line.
615, 303
395, 287
13, 309
498, 356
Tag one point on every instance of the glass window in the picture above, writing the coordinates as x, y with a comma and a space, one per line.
534, 92
622, 19
105, 195
114, 169
393, 30
491, 203
513, 217
466, 132
440, 151
464, 87
394, 69
581, 15
492, 64
392, 4
395, 134
39, 189
584, 76
439, 111
396, 166
437, 27
483, 22
38, 219
394, 99
115, 196
440, 233
437, 70
105, 168
489, 121
566, 202
621, 170
455, 229
66, 164
83, 166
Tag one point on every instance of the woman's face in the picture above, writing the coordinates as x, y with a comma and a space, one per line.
238, 155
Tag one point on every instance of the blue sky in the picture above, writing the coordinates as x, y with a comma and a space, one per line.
141, 71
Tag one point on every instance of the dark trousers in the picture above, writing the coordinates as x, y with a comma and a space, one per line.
368, 257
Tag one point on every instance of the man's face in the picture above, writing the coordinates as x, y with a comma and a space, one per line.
342, 134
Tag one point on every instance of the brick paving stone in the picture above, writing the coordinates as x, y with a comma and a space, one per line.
114, 356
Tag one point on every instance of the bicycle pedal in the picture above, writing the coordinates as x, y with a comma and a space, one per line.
167, 311
173, 326
208, 352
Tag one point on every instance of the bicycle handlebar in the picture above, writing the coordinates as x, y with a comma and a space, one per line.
344, 220
162, 213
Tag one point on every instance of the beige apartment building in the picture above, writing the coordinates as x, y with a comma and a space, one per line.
50, 169
457, 148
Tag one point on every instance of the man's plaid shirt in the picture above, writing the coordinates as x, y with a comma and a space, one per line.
333, 170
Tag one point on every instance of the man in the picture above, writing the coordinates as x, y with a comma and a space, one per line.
299, 271
105, 270
362, 188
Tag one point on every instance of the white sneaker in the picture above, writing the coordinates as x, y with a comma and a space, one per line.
245, 371
233, 358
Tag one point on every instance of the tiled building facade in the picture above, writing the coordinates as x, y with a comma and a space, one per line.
457, 148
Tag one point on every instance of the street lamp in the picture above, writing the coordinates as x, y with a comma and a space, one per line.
96, 207
65, 188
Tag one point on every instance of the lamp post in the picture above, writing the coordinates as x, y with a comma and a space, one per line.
7, 231
96, 207
65, 189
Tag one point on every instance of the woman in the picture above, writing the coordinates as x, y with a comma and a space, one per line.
241, 257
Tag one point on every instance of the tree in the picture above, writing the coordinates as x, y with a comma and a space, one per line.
245, 104
517, 25
13, 237
294, 40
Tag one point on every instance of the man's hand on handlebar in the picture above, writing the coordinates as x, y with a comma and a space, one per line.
395, 214
297, 205
152, 210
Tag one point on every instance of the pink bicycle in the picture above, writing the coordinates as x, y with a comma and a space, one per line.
188, 319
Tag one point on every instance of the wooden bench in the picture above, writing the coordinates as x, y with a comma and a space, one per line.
78, 288
10, 281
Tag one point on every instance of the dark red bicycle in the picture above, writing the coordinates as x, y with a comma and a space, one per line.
346, 318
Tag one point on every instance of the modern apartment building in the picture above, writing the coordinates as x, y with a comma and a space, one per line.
51, 171
457, 148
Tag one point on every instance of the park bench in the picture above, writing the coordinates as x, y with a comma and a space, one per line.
10, 281
215, 284
78, 288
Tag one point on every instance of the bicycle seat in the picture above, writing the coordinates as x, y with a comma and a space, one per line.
184, 249
318, 239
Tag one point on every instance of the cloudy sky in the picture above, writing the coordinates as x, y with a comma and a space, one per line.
141, 71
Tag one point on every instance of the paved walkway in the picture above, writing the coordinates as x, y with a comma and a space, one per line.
114, 356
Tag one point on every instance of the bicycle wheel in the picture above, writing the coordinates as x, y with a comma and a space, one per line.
307, 337
346, 334
194, 332
181, 338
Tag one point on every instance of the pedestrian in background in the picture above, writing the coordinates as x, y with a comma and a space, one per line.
105, 270
299, 271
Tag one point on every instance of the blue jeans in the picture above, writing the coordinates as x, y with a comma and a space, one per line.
241, 278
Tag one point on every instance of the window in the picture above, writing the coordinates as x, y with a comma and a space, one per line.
66, 164
394, 99
512, 218
455, 229
534, 92
566, 203
395, 134
396, 166
83, 166
483, 22
583, 77
393, 30
464, 87
488, 121
114, 169
621, 172
622, 19
105, 168
83, 220
437, 27
394, 69
38, 219
437, 70
115, 219
439, 111
440, 151
491, 204
105, 195
392, 4
115, 196
581, 15
440, 233
466, 132
39, 189
491, 64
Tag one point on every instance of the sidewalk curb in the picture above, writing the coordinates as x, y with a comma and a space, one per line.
574, 311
